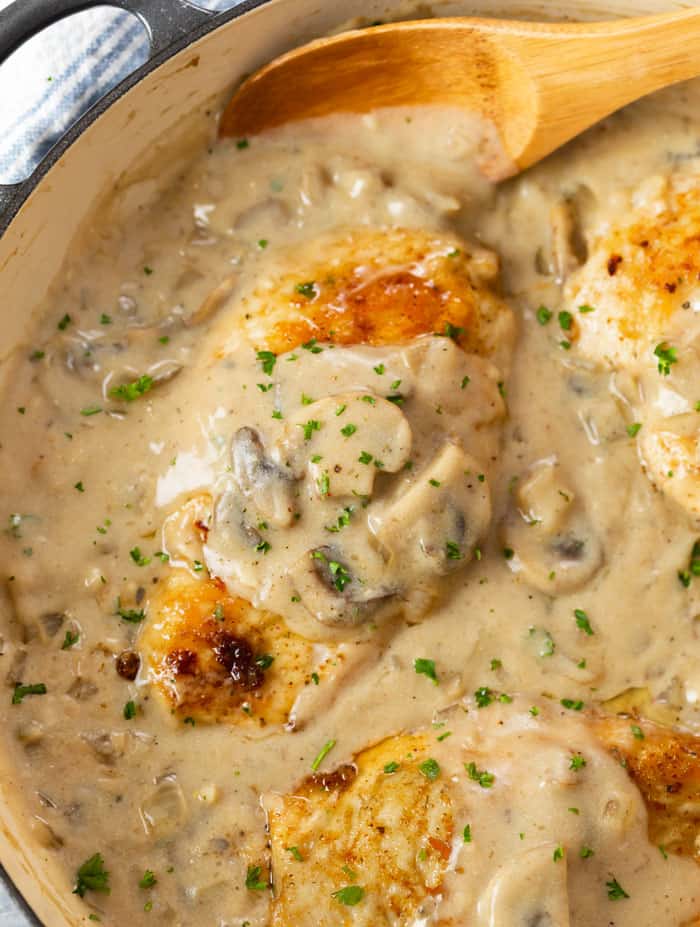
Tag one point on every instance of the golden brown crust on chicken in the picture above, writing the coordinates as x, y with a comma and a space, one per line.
640, 272
209, 654
665, 765
380, 824
379, 287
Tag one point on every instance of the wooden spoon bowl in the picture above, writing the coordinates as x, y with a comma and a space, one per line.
537, 84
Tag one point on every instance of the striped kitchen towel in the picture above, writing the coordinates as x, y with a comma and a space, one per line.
52, 79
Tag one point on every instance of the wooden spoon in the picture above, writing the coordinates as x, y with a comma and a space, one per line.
538, 84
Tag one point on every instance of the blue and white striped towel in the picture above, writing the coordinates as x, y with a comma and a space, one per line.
52, 79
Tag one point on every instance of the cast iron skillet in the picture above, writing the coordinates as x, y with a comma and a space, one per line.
171, 25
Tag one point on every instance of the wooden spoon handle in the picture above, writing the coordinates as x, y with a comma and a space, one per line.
579, 73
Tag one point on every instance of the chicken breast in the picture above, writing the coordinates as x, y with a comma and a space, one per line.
458, 824
215, 658
636, 308
379, 287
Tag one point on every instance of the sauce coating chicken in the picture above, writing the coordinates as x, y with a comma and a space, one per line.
400, 835
636, 306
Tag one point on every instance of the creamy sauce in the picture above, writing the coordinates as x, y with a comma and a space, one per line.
93, 488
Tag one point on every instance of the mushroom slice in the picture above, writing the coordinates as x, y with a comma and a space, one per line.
343, 590
343, 441
436, 525
235, 546
527, 890
554, 544
267, 484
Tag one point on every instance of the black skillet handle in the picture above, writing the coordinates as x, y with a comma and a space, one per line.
166, 22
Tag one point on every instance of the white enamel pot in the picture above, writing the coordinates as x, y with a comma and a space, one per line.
196, 60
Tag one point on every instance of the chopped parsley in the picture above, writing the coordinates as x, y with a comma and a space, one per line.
577, 762
322, 754
264, 661
582, 621
105, 319
349, 895
310, 427
586, 853
667, 356
391, 767
496, 665
484, 778
242, 143
324, 484
307, 289
637, 732
558, 853
130, 614
71, 638
37, 688
267, 361
465, 382
450, 331
312, 346
138, 558
148, 879
64, 323
295, 854
90, 410
129, 710
586, 308
343, 520
615, 890
435, 483
254, 880
128, 392
543, 315
92, 876
452, 551
348, 430
306, 400
365, 458
572, 704
425, 667
380, 369
467, 834
633, 429
79, 486
430, 768
483, 696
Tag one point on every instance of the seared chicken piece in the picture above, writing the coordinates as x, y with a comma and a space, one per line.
304, 519
380, 287
665, 765
378, 830
214, 657
506, 815
636, 306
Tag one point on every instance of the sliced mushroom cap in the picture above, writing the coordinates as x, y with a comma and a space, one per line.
554, 544
337, 590
455, 381
268, 485
234, 546
436, 525
343, 441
